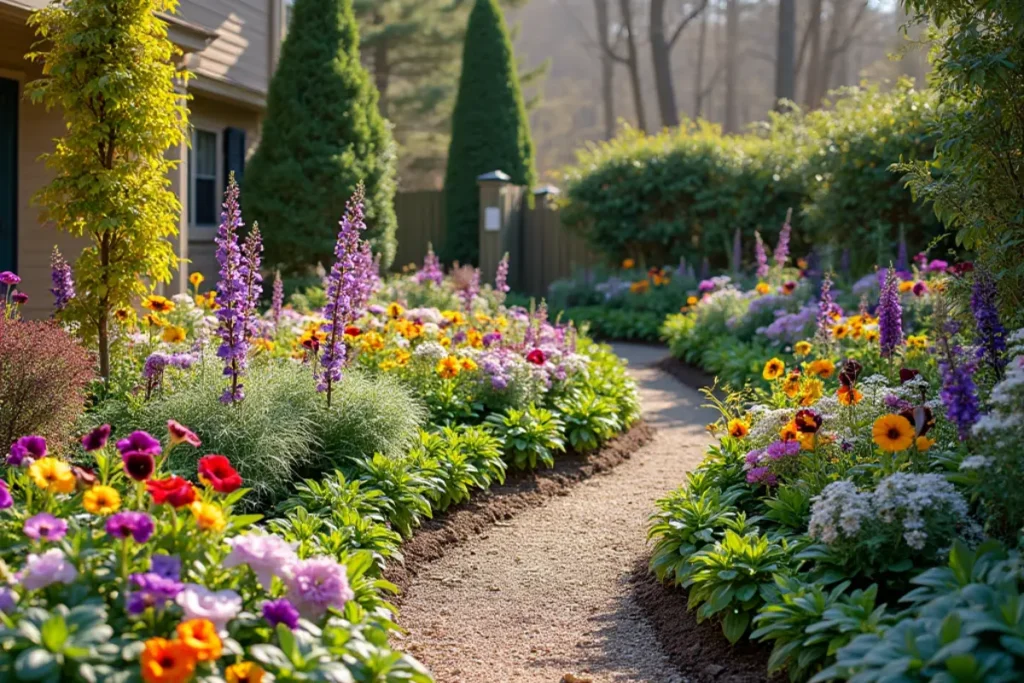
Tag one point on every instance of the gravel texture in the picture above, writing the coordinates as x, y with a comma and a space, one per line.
547, 595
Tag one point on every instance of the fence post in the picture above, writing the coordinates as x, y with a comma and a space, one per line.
500, 224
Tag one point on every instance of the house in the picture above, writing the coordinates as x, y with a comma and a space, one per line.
230, 46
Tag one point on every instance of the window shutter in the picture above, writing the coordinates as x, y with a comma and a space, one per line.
234, 153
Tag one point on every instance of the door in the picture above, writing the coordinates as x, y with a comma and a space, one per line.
9, 92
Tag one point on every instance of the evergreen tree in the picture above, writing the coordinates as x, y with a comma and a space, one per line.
490, 129
323, 135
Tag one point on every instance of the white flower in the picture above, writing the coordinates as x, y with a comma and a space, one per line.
219, 607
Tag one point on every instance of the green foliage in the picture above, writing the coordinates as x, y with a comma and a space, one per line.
688, 520
589, 420
59, 644
322, 135
789, 507
110, 68
616, 323
404, 488
607, 377
529, 435
482, 449
490, 128
978, 53
685, 191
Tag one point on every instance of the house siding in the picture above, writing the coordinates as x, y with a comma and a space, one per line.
241, 52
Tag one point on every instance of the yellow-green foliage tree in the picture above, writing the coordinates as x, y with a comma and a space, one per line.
110, 68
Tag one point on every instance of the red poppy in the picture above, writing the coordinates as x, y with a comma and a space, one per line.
173, 491
217, 472
353, 331
536, 357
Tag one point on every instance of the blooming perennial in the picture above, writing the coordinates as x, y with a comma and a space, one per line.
231, 296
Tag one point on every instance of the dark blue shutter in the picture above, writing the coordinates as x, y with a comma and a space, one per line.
9, 98
234, 153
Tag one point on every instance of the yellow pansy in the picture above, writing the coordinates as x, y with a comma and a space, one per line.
158, 304
101, 500
173, 334
802, 348
763, 288
51, 474
196, 279
208, 516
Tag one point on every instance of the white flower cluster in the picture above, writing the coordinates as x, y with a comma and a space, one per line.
766, 422
1005, 422
431, 351
839, 510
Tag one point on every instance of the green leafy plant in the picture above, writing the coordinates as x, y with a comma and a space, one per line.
530, 435
62, 644
482, 449
589, 420
404, 488
686, 523
789, 507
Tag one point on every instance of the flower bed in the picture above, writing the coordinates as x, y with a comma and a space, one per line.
859, 510
336, 425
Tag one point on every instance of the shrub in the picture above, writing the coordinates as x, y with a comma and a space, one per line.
321, 137
589, 420
529, 435
44, 376
490, 128
405, 489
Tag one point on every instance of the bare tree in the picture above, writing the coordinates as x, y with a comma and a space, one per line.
662, 42
785, 73
632, 61
732, 35
607, 67
698, 85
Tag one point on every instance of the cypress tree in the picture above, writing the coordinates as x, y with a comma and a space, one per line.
490, 129
323, 135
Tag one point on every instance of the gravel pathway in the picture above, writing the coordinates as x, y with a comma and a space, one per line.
547, 593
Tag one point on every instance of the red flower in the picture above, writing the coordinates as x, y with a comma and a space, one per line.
536, 357
171, 491
179, 433
216, 471
907, 374
353, 331
959, 269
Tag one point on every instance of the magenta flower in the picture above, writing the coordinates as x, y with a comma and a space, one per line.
46, 569
281, 612
28, 448
317, 584
8, 278
137, 525
139, 465
179, 433
46, 527
152, 590
920, 288
431, 270
782, 246
501, 278
137, 442
19, 298
96, 439
760, 254
6, 500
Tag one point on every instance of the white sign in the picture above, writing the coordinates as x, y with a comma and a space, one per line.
492, 218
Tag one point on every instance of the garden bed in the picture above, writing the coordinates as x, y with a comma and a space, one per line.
522, 490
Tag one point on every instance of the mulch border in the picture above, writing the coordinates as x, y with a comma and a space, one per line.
521, 490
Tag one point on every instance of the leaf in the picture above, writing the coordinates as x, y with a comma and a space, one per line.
734, 625
54, 633
35, 664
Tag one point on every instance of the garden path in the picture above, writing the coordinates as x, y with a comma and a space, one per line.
548, 592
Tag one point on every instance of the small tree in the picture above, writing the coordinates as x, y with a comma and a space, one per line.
108, 65
490, 129
323, 135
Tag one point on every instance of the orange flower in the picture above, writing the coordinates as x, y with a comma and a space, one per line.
158, 304
244, 672
200, 636
893, 433
906, 286
763, 288
773, 369
448, 368
167, 661
923, 443
812, 392
628, 264
807, 441
738, 428
640, 286
789, 432
791, 387
849, 396
208, 516
823, 368
691, 301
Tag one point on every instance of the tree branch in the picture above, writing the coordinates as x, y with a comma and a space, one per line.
686, 22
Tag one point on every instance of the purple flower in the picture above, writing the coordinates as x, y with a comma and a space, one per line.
252, 257
63, 289
959, 393
938, 266
281, 612
902, 262
27, 447
19, 298
137, 525
783, 449
501, 278
782, 246
826, 308
139, 442
991, 333
277, 300
152, 590
6, 500
8, 278
491, 338
349, 285
138, 465
760, 254
96, 439
761, 475
165, 566
231, 295
46, 569
46, 527
890, 316
753, 457
316, 584
8, 600
706, 286
268, 556
471, 289
431, 270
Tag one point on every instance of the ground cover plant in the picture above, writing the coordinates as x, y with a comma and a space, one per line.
859, 508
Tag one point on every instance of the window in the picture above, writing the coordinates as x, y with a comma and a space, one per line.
203, 171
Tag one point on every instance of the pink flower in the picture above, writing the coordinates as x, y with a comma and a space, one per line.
268, 556
199, 602
179, 433
46, 569
46, 527
317, 584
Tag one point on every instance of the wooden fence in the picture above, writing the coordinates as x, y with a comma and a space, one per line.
529, 228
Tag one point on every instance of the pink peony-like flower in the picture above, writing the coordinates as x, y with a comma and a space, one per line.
219, 607
268, 556
179, 433
46, 569
317, 584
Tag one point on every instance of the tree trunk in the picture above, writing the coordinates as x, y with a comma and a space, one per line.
833, 47
811, 86
785, 76
661, 56
732, 32
698, 90
607, 68
381, 66
633, 64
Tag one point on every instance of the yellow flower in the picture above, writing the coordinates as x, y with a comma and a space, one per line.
395, 309
174, 334
660, 279
467, 364
893, 433
923, 443
402, 356
448, 367
474, 339
123, 315
738, 428
387, 365
823, 368
812, 392
372, 341
410, 330
807, 441
153, 320
482, 318
789, 432
791, 387
917, 341
906, 286
871, 335
158, 304
262, 344
628, 264
196, 279
445, 342
101, 500
454, 317
841, 330
51, 474
208, 516
773, 369
849, 396
691, 300
763, 288
802, 348
244, 672
501, 322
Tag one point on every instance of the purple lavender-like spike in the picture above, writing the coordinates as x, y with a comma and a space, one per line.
348, 290
469, 292
782, 246
252, 257
737, 250
231, 295
890, 315
761, 255
959, 393
63, 283
277, 300
825, 308
431, 270
991, 333
501, 278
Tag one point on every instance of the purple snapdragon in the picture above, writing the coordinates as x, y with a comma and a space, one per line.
277, 301
231, 295
469, 292
431, 270
782, 246
991, 333
252, 257
63, 289
501, 278
761, 255
890, 315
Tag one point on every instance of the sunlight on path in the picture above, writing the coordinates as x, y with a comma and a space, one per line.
547, 593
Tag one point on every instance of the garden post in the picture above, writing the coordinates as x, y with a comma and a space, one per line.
500, 224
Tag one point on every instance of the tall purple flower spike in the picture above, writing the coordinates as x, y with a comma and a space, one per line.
761, 255
501, 278
991, 333
782, 246
231, 295
890, 315
252, 257
431, 270
277, 301
63, 283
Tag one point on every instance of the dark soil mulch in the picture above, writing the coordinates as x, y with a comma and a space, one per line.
700, 651
521, 490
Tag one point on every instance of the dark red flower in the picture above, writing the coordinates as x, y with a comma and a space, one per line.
959, 269
217, 472
850, 372
85, 478
536, 357
353, 331
807, 421
907, 374
173, 491
789, 287
96, 439
921, 417
139, 465
179, 433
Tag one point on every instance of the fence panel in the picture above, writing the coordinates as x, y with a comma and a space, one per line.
421, 221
